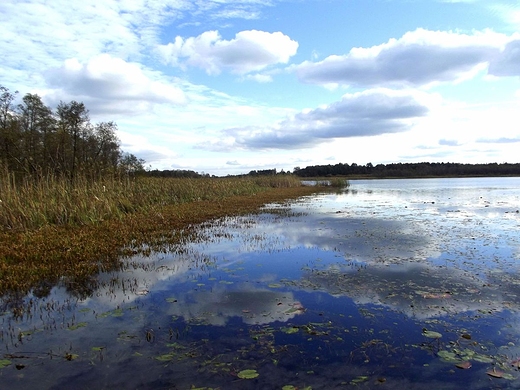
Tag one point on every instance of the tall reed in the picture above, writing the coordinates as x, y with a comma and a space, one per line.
32, 204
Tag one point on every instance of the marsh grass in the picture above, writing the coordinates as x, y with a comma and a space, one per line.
339, 182
54, 233
53, 201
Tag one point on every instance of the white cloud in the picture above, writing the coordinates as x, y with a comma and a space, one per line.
417, 58
368, 113
448, 142
106, 83
249, 51
508, 62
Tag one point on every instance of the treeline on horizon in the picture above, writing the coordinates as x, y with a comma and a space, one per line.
37, 142
402, 170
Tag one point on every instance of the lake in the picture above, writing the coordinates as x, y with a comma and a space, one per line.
391, 284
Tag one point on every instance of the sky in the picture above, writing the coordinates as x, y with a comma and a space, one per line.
229, 86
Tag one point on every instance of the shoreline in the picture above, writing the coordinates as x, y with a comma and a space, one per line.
38, 260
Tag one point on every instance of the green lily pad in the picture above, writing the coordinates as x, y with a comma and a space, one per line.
165, 358
431, 334
247, 374
448, 357
482, 358
5, 363
359, 379
78, 325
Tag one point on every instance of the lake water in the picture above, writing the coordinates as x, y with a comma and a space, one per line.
391, 284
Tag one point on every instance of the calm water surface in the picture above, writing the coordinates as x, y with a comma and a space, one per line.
391, 284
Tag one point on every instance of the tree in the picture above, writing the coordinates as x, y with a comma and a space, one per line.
38, 125
8, 128
131, 165
72, 123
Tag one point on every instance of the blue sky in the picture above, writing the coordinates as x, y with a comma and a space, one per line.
228, 86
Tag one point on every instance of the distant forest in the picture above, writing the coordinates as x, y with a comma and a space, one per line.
423, 169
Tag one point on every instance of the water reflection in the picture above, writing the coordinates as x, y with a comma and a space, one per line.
394, 283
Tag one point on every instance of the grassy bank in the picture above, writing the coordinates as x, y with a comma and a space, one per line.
69, 235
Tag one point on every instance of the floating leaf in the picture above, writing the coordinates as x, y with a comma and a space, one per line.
516, 363
5, 363
482, 358
97, 349
165, 358
274, 285
463, 365
247, 374
359, 379
431, 334
448, 357
171, 300
289, 387
290, 330
495, 373
78, 325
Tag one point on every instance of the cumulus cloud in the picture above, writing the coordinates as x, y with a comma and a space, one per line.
105, 81
249, 51
367, 113
417, 58
508, 62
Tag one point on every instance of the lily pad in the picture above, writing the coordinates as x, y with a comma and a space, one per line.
166, 357
247, 374
499, 374
431, 334
464, 365
5, 363
359, 379
78, 325
482, 358
448, 357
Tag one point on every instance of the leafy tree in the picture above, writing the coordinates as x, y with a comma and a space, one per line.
131, 165
73, 122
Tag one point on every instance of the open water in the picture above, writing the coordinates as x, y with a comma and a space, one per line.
391, 284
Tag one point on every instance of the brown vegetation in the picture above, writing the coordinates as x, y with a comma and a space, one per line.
75, 253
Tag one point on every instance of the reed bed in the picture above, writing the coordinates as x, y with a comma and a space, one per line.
54, 233
33, 204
